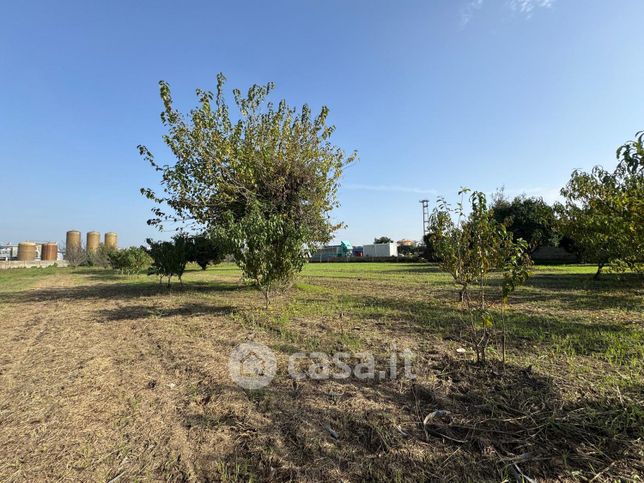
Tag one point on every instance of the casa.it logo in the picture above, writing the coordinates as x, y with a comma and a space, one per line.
252, 365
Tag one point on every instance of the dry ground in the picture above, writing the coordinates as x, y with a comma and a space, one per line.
109, 378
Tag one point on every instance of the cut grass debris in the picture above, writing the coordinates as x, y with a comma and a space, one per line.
104, 377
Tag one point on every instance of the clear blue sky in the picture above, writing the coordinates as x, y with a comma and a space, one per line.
434, 95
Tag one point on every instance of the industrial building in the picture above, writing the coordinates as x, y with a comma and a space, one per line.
29, 251
42, 254
345, 251
333, 252
381, 250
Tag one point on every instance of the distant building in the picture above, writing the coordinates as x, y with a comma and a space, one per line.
8, 251
406, 243
381, 250
330, 252
326, 253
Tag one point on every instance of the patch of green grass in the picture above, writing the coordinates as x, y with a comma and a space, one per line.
561, 312
311, 288
18, 279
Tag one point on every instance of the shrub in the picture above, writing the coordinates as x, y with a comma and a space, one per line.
268, 249
100, 257
75, 256
205, 250
169, 258
129, 261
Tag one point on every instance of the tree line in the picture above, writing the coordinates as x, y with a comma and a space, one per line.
165, 259
601, 217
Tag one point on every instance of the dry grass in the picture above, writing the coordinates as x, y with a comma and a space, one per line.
105, 377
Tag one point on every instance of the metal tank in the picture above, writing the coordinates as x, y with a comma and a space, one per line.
111, 240
93, 241
73, 241
27, 251
49, 251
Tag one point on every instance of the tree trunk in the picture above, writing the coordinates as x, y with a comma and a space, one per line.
600, 266
484, 346
503, 333
464, 296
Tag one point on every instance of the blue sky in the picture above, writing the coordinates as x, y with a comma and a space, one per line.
434, 95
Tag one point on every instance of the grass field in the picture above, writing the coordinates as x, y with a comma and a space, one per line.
112, 378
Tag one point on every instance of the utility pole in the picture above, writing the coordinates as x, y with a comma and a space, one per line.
425, 204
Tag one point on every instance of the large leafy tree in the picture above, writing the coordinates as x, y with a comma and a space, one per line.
238, 174
603, 212
531, 219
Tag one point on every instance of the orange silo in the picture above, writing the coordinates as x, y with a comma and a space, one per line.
27, 251
49, 251
111, 240
73, 241
93, 241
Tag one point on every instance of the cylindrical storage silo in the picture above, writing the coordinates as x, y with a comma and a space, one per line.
73, 241
93, 241
110, 240
49, 251
26, 251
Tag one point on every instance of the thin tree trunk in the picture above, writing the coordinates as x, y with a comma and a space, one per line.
482, 297
503, 333
600, 266
483, 346
464, 296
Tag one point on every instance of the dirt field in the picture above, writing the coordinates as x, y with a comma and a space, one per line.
110, 378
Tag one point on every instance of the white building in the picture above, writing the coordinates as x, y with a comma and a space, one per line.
8, 251
381, 250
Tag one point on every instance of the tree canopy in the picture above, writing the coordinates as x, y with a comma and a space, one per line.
267, 161
469, 249
473, 245
382, 239
205, 249
531, 219
603, 212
